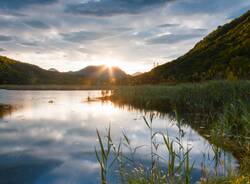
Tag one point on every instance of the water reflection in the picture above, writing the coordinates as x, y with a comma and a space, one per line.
54, 135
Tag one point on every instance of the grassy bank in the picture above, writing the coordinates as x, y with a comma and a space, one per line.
56, 87
188, 98
221, 107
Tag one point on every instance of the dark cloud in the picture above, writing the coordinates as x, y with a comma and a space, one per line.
5, 24
81, 36
172, 38
2, 50
121, 29
11, 13
29, 44
112, 7
18, 4
87, 51
200, 29
4, 38
203, 6
37, 24
168, 25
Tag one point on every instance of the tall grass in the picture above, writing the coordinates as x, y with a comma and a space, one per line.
175, 169
234, 123
232, 131
189, 98
221, 108
103, 157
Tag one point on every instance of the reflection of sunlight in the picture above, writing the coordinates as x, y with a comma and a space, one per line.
63, 108
107, 110
63, 112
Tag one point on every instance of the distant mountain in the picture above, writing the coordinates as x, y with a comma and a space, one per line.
101, 71
223, 54
15, 72
53, 70
136, 74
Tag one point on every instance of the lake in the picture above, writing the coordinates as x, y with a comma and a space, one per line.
50, 137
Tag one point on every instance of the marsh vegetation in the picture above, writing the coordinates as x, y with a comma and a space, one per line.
218, 110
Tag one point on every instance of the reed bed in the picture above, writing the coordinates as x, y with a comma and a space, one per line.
206, 97
224, 105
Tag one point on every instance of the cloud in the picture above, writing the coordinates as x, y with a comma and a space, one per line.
2, 50
18, 4
239, 12
81, 36
172, 38
4, 38
112, 7
37, 24
168, 25
205, 6
29, 44
88, 51
121, 29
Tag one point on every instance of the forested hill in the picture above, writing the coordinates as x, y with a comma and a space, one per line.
223, 54
15, 72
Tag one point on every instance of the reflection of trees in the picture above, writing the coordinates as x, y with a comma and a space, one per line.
5, 110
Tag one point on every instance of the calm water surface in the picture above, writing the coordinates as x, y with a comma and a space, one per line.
42, 142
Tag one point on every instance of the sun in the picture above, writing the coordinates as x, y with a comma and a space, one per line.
110, 63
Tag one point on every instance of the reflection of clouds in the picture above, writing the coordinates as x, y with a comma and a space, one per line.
21, 167
50, 134
73, 171
82, 166
66, 130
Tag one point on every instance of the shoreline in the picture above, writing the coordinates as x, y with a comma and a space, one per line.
55, 87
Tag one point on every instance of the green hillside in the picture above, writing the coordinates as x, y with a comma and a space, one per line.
223, 54
14, 72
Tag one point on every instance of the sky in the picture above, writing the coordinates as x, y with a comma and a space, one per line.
69, 35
